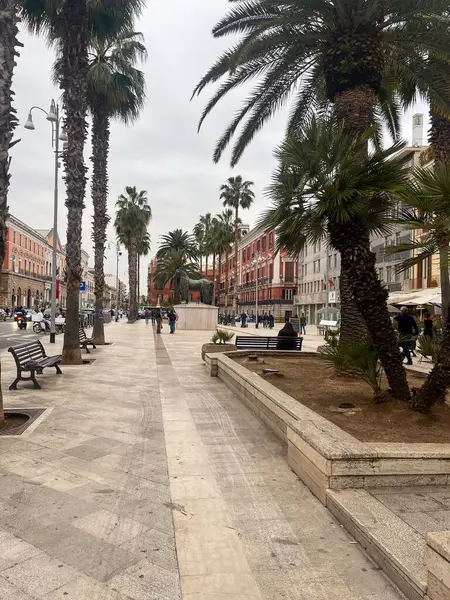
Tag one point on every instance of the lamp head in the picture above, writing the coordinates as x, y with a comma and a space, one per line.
63, 135
51, 115
29, 124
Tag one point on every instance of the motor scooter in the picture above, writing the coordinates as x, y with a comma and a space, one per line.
21, 322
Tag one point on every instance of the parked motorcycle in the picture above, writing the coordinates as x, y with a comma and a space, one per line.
21, 322
43, 326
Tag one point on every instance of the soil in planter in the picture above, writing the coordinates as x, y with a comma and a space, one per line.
12, 421
314, 384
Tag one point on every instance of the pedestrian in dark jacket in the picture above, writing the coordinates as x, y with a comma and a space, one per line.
286, 337
407, 328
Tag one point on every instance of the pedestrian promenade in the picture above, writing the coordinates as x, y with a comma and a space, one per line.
148, 480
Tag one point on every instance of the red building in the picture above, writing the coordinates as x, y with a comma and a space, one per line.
277, 276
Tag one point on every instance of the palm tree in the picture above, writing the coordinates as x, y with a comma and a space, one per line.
178, 240
236, 194
167, 266
352, 55
143, 248
225, 239
202, 231
339, 186
214, 246
69, 25
116, 90
132, 218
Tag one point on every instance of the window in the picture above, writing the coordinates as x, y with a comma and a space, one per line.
388, 274
271, 271
243, 255
263, 272
397, 238
330, 261
397, 277
270, 241
406, 275
20, 239
14, 237
288, 294
316, 266
381, 273
335, 261
258, 245
264, 240
248, 253
306, 269
289, 272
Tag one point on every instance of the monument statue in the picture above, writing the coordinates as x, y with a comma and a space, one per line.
183, 284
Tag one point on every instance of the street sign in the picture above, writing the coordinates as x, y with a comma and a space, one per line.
83, 286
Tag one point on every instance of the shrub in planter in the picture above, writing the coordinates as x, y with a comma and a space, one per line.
219, 343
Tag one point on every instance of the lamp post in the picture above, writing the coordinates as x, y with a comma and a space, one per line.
58, 134
256, 262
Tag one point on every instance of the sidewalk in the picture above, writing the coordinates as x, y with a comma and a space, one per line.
147, 479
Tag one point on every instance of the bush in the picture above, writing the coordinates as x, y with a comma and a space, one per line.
222, 337
429, 347
332, 337
359, 359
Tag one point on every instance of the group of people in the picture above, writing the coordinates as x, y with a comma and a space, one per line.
156, 317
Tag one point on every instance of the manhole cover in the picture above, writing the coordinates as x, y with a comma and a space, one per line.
31, 413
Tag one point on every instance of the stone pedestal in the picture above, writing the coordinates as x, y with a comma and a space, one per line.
437, 562
199, 317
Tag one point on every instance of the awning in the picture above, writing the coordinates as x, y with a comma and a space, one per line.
428, 297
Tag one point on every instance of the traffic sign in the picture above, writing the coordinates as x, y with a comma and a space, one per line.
83, 286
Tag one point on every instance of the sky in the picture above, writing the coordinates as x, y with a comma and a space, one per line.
162, 153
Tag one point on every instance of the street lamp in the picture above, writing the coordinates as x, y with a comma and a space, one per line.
118, 255
257, 261
58, 134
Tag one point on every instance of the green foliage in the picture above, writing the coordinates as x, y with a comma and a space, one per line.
429, 347
332, 337
180, 242
236, 193
359, 358
304, 53
326, 177
133, 216
168, 265
222, 336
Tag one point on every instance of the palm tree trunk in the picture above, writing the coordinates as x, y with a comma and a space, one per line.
74, 84
201, 268
8, 120
138, 284
352, 241
352, 327
100, 149
219, 275
132, 271
214, 279
236, 243
227, 274
438, 381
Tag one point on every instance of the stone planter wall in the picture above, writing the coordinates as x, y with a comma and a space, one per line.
322, 454
437, 562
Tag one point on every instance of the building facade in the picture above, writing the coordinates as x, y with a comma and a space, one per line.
27, 267
262, 273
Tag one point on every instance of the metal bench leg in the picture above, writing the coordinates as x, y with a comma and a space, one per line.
94, 346
13, 386
87, 349
58, 370
34, 380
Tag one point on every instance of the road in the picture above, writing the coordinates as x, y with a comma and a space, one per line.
11, 335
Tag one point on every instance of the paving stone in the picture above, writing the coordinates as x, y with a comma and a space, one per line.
39, 575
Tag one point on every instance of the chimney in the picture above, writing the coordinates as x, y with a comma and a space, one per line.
417, 130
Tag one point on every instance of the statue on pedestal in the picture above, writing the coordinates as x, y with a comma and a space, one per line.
183, 284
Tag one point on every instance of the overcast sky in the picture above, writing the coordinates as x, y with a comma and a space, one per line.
162, 153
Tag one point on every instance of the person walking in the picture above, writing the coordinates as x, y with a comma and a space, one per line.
243, 319
407, 328
158, 318
271, 321
153, 318
147, 316
173, 317
428, 325
302, 323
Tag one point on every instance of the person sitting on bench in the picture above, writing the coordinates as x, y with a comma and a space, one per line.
286, 337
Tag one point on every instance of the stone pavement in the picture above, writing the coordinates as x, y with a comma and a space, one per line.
146, 479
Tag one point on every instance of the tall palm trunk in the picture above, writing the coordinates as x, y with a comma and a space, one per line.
351, 239
355, 109
201, 267
219, 275
8, 120
227, 274
132, 272
235, 262
438, 381
100, 149
138, 283
74, 84
214, 279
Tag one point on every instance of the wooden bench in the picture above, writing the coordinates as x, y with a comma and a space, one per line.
31, 358
85, 341
259, 342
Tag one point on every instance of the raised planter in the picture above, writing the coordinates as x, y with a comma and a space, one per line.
212, 348
322, 454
